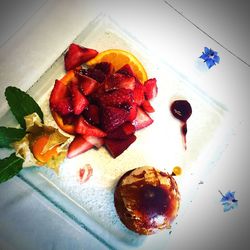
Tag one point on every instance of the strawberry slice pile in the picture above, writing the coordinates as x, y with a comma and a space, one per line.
100, 106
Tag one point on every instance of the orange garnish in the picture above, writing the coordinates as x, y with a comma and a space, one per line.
68, 128
68, 77
38, 146
119, 58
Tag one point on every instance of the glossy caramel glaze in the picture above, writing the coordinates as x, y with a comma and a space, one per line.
146, 200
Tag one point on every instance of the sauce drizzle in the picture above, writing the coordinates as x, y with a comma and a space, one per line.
182, 110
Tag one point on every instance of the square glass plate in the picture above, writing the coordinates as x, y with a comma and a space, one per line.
160, 145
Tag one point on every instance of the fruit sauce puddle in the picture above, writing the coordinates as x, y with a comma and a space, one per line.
182, 110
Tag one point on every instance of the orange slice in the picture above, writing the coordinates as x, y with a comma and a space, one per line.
68, 128
119, 58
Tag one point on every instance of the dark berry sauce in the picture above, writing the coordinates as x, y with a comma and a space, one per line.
153, 200
182, 110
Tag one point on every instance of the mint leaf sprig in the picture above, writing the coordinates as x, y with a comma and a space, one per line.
10, 166
21, 104
10, 135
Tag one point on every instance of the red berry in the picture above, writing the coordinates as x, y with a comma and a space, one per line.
126, 70
139, 93
87, 85
142, 119
79, 101
77, 55
113, 117
120, 98
118, 81
92, 114
122, 132
146, 105
117, 147
59, 91
150, 89
78, 146
84, 128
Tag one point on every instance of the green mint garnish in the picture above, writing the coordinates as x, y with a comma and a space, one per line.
10, 135
10, 166
21, 104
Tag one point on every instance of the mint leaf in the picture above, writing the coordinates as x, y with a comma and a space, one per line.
10, 135
21, 104
10, 166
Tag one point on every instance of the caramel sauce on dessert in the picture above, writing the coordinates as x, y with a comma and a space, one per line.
147, 200
182, 110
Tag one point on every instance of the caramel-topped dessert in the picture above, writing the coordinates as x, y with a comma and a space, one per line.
147, 200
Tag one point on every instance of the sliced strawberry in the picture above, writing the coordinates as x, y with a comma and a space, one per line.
146, 105
64, 107
96, 74
118, 81
132, 112
59, 91
150, 89
84, 128
128, 128
96, 141
113, 117
79, 101
142, 119
99, 72
69, 119
116, 147
92, 114
99, 92
126, 70
127, 83
77, 55
87, 85
122, 132
139, 93
116, 98
77, 146
105, 67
